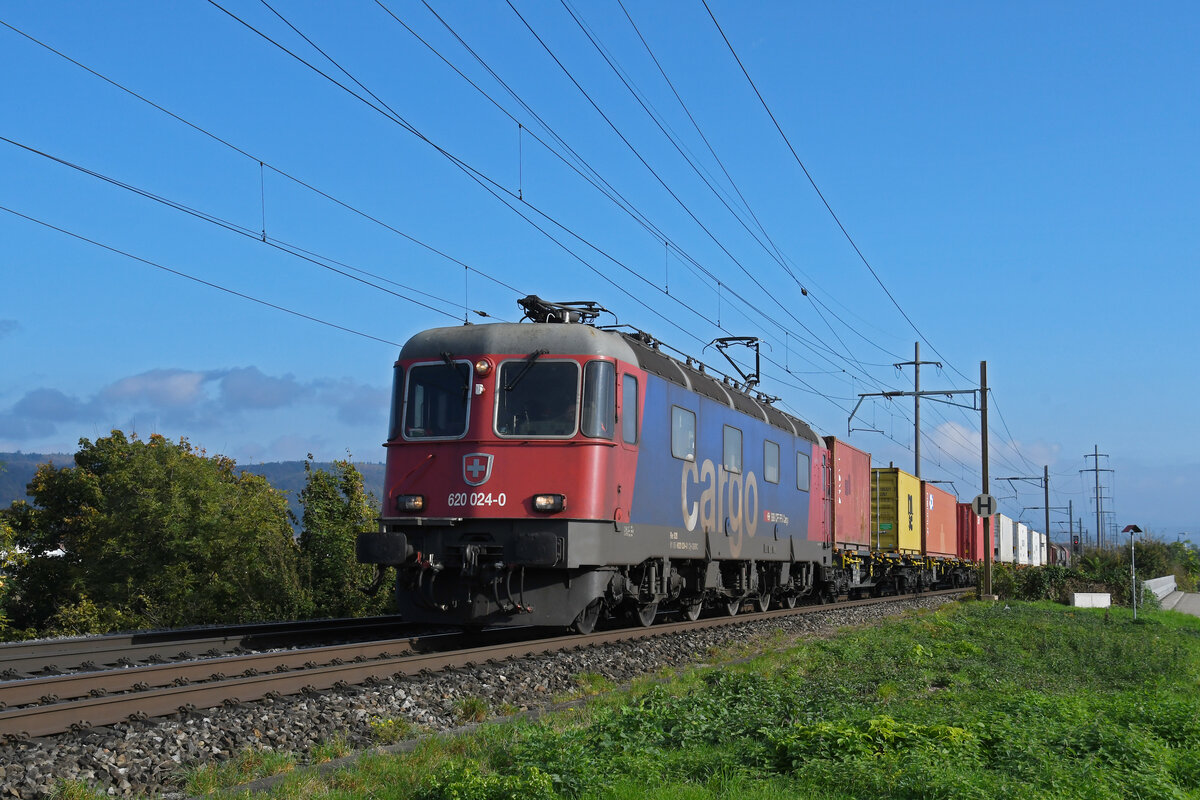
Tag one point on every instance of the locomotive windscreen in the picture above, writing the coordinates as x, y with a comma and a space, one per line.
438, 399
537, 398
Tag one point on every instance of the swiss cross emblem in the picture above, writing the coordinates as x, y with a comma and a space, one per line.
477, 468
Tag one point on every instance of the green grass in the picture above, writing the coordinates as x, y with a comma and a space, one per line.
970, 701
246, 766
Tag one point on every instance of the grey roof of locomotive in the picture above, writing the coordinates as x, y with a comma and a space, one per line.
586, 340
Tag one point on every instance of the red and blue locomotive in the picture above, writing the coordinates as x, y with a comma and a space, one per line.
556, 472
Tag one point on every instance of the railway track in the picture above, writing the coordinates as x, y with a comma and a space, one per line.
47, 657
44, 706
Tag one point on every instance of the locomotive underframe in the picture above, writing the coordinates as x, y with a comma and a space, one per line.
569, 572
562, 573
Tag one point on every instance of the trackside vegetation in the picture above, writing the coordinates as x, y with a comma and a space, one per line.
974, 700
156, 534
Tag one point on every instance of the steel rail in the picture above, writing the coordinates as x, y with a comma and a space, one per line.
91, 712
56, 688
94, 652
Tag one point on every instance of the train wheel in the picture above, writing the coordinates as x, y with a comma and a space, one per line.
788, 601
691, 612
585, 623
645, 614
762, 602
732, 607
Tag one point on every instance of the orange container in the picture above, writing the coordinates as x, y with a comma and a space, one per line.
939, 511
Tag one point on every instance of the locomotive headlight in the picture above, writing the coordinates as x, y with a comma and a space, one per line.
410, 502
549, 503
483, 367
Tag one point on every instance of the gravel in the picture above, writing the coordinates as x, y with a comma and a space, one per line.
139, 758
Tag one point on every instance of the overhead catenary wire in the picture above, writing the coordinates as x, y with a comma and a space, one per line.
490, 277
193, 278
814, 342
490, 185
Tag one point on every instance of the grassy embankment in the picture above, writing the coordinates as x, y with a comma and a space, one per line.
974, 700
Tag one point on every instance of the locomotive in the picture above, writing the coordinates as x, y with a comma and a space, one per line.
553, 472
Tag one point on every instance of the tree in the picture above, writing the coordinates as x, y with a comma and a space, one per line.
150, 534
11, 558
336, 508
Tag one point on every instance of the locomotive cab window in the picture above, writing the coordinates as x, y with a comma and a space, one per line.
599, 400
397, 402
537, 397
732, 457
802, 471
438, 398
683, 433
629, 409
770, 461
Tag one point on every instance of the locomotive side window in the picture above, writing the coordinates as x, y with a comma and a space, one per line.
599, 400
437, 401
732, 458
802, 471
397, 402
537, 397
683, 433
770, 461
629, 409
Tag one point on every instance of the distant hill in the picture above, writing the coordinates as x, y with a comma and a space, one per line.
17, 469
289, 476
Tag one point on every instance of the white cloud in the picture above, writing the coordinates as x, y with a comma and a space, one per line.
162, 388
240, 411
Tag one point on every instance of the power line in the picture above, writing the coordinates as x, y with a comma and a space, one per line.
477, 176
195, 279
321, 261
813, 182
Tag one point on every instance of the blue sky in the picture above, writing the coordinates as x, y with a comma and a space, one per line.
1020, 176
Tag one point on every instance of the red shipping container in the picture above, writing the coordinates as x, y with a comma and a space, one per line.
940, 529
970, 534
851, 507
820, 494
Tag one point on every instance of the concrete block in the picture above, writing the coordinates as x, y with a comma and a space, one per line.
1091, 599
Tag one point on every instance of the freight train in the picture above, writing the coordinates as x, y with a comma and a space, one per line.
553, 472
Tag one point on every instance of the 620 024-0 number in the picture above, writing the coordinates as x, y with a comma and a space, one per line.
459, 499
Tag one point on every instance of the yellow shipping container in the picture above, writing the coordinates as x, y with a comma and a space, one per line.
895, 510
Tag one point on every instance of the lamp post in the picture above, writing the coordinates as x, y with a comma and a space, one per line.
1132, 530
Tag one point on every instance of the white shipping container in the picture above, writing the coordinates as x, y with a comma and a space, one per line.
1035, 548
1045, 551
1002, 539
1022, 537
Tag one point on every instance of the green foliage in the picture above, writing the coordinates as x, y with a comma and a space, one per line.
148, 534
875, 737
11, 560
336, 509
1105, 571
337, 747
389, 730
76, 790
465, 780
470, 709
248, 765
1014, 700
